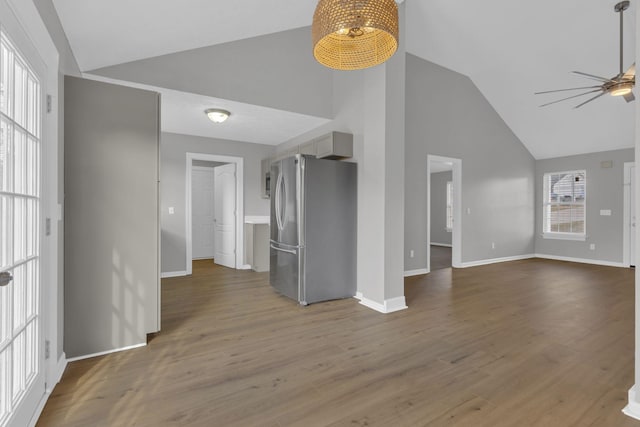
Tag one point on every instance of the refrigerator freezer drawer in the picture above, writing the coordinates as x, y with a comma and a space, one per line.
284, 270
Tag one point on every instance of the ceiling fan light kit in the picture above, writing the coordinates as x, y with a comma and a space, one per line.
354, 34
621, 89
621, 84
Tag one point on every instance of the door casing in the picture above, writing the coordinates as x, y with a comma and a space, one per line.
239, 161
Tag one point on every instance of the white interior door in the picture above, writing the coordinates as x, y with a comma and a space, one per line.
225, 215
21, 353
202, 199
632, 216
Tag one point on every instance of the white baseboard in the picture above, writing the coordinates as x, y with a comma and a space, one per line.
60, 367
39, 409
358, 296
170, 274
245, 267
581, 260
495, 260
418, 272
389, 306
633, 408
521, 257
103, 353
57, 375
444, 245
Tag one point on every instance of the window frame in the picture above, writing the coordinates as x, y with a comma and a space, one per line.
563, 235
449, 207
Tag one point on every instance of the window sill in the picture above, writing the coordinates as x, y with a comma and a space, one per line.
565, 236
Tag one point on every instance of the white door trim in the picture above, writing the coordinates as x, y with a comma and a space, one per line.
239, 161
456, 237
626, 228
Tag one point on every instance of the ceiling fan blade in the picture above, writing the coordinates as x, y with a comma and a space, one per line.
564, 90
629, 97
571, 97
631, 72
604, 79
589, 100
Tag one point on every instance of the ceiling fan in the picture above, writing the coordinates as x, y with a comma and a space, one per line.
619, 85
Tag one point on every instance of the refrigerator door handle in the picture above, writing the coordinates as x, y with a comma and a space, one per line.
278, 203
283, 201
289, 251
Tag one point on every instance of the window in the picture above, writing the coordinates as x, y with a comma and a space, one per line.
449, 205
564, 205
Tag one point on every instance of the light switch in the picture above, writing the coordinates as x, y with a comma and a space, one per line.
171, 210
605, 212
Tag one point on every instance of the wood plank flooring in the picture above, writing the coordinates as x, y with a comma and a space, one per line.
524, 343
440, 257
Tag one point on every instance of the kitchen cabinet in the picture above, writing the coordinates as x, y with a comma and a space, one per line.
336, 145
256, 232
309, 148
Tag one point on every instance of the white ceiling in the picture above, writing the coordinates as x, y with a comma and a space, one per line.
183, 113
109, 32
509, 49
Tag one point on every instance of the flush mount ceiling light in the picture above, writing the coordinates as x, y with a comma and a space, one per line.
217, 115
354, 34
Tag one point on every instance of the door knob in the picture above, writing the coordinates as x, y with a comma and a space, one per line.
5, 278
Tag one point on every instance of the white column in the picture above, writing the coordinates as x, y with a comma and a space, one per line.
381, 213
633, 408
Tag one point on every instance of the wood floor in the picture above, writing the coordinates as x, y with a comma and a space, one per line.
440, 257
525, 343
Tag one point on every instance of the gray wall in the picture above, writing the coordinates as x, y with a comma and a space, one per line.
174, 149
446, 115
439, 233
277, 70
605, 190
111, 221
67, 66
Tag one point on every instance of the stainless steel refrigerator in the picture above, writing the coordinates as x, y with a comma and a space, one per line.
313, 229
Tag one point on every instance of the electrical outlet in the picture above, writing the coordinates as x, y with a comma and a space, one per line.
592, 246
171, 210
411, 253
493, 245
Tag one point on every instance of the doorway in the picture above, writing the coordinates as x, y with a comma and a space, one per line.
444, 201
218, 223
202, 209
629, 216
24, 256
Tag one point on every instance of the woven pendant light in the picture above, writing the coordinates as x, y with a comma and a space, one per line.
354, 34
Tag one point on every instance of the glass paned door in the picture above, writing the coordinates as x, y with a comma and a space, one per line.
20, 335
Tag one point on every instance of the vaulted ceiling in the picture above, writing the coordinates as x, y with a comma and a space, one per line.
509, 49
